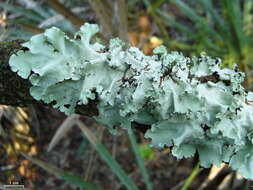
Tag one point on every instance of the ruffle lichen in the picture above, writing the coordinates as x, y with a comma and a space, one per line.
192, 104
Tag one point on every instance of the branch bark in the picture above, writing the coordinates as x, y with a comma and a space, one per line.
14, 90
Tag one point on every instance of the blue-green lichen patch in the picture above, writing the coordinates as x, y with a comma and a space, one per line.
192, 104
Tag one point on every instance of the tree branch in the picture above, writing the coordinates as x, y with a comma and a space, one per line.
14, 90
60, 8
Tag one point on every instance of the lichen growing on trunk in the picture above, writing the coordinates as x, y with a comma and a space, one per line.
192, 104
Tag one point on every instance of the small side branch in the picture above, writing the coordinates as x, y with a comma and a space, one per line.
60, 8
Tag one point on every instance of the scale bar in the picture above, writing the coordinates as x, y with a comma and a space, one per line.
14, 186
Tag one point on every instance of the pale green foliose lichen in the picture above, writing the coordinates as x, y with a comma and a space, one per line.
191, 104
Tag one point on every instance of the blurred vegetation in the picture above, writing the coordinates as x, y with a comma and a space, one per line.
220, 28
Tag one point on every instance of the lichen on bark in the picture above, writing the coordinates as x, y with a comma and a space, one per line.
192, 104
14, 90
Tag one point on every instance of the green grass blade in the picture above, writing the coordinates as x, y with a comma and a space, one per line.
67, 176
75, 180
213, 47
188, 11
190, 34
25, 12
43, 11
233, 13
106, 156
139, 160
190, 179
174, 23
247, 16
208, 5
147, 4
157, 3
191, 14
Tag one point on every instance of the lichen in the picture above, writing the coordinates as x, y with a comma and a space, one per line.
192, 104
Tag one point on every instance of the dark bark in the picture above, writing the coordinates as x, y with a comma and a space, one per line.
14, 90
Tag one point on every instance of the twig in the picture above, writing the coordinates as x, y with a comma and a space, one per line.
94, 156
62, 130
58, 17
123, 20
104, 13
31, 28
60, 8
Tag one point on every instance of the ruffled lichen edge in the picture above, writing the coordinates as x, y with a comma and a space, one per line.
192, 104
